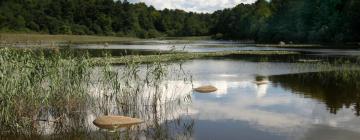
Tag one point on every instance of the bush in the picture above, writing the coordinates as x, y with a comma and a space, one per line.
142, 34
33, 26
218, 36
53, 25
97, 29
80, 29
153, 33
65, 29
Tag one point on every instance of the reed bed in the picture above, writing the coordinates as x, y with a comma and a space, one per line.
46, 92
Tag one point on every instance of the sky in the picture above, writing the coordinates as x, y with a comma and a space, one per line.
203, 6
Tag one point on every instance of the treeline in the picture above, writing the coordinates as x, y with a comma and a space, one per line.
291, 21
278, 20
100, 17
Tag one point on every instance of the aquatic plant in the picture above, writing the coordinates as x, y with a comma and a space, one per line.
45, 92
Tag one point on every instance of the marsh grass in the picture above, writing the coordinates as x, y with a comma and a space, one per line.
44, 92
31, 83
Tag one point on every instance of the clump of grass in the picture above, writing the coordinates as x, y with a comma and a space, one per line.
31, 83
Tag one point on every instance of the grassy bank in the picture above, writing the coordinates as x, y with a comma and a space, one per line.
23, 38
13, 38
186, 38
290, 45
314, 46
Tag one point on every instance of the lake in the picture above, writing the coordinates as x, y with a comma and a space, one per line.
255, 100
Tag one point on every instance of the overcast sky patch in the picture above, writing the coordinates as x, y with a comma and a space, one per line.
205, 6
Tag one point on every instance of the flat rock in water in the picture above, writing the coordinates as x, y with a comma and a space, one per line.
282, 43
261, 82
206, 89
115, 122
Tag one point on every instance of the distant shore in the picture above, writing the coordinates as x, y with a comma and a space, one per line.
46, 40
20, 38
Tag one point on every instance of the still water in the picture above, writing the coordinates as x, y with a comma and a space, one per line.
210, 46
293, 104
282, 109
297, 101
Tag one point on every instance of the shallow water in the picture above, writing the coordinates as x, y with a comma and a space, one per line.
210, 46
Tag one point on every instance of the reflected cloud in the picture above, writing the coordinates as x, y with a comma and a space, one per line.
206, 6
261, 90
277, 112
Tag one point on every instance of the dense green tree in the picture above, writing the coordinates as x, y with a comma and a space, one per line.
291, 21
352, 21
263, 21
102, 17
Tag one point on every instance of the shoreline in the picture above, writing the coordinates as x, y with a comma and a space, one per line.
190, 56
46, 40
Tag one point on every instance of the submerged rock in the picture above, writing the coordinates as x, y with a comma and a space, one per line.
206, 89
115, 122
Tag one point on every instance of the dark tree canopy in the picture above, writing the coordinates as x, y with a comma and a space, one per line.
101, 17
291, 20
263, 21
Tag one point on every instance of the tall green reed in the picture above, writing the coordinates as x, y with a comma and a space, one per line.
32, 82
64, 87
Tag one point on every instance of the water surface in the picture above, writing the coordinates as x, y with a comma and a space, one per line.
211, 46
285, 108
294, 101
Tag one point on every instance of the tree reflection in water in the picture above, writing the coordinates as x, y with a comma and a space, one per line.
337, 89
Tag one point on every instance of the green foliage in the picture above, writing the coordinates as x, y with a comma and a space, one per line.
263, 21
101, 17
80, 30
57, 89
291, 21
64, 29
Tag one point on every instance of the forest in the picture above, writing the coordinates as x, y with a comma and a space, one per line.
99, 17
298, 21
